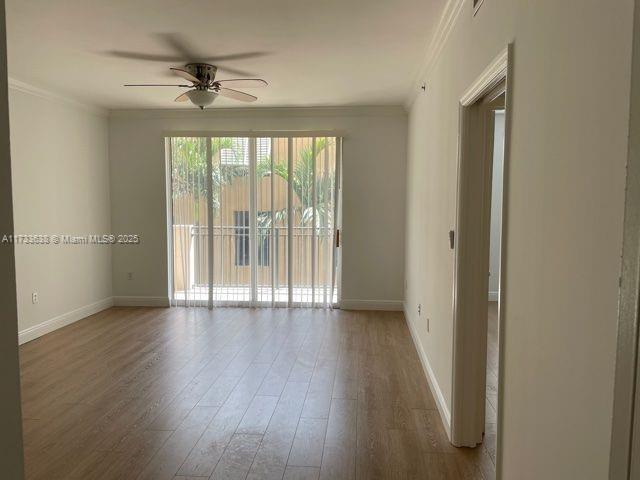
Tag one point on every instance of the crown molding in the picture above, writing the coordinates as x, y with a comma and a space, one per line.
23, 87
489, 78
261, 112
447, 21
187, 113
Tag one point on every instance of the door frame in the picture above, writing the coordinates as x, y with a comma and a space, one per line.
624, 456
251, 136
469, 342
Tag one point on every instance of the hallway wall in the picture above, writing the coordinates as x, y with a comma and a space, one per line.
496, 207
564, 225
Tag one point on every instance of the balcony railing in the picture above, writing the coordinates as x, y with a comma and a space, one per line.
232, 260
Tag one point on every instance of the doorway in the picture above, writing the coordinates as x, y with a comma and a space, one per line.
496, 115
624, 456
254, 220
479, 247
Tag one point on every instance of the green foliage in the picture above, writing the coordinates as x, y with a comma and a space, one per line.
189, 171
301, 184
189, 167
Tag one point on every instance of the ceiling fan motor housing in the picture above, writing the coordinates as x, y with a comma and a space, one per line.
204, 72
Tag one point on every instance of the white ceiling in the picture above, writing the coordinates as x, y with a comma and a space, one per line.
329, 52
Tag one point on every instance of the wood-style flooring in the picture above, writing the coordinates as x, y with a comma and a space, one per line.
491, 406
149, 393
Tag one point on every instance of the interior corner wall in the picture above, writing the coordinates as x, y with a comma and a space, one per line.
373, 178
60, 187
565, 192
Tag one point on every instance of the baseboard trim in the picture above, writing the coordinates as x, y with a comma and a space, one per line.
493, 296
387, 305
63, 320
141, 301
441, 403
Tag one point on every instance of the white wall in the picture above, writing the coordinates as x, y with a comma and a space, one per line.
565, 193
374, 176
60, 186
496, 206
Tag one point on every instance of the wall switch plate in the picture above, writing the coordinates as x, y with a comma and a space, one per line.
34, 297
428, 326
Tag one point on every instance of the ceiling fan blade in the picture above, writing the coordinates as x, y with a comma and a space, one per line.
185, 51
190, 53
186, 75
144, 56
155, 85
244, 82
236, 95
235, 71
235, 56
182, 98
179, 44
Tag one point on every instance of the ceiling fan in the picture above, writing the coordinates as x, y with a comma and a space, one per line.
204, 88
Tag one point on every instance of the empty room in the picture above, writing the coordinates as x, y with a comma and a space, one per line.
319, 240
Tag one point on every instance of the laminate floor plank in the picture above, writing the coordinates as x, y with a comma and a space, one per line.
339, 455
308, 443
169, 458
491, 405
258, 415
301, 473
237, 458
202, 460
261, 394
271, 458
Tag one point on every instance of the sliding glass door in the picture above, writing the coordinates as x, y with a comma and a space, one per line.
255, 220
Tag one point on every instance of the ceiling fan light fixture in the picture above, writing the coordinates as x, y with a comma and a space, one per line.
201, 98
204, 88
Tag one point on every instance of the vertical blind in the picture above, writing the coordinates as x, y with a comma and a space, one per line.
255, 221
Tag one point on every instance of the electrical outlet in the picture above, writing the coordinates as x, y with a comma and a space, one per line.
34, 297
129, 275
419, 309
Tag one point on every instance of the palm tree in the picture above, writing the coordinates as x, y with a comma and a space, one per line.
189, 172
302, 179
